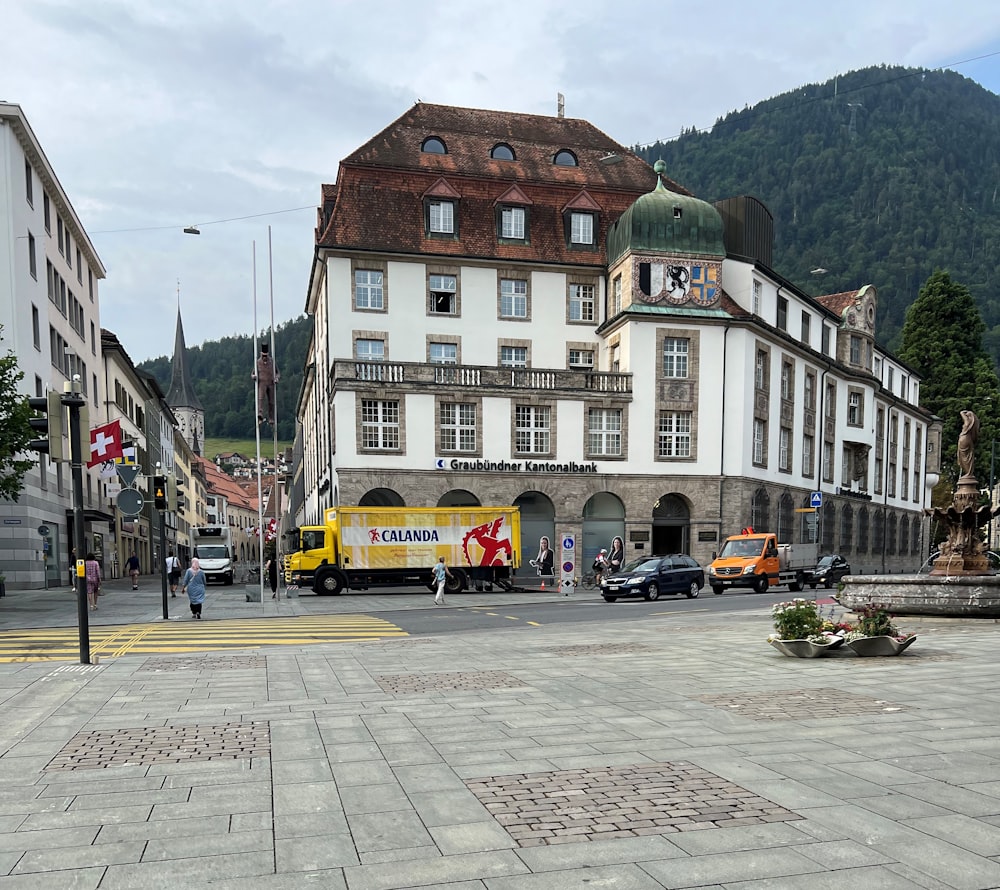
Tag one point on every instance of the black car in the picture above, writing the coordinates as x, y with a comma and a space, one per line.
649, 576
829, 570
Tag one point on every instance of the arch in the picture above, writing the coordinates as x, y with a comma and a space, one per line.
502, 152
538, 519
786, 518
891, 534
671, 525
760, 510
864, 539
878, 532
458, 497
904, 536
381, 497
565, 158
829, 526
603, 518
846, 528
434, 145
915, 535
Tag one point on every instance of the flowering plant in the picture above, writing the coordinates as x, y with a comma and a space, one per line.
875, 621
798, 619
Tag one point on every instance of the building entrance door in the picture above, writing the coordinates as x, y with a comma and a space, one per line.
671, 525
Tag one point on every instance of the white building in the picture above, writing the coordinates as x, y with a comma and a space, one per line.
514, 309
50, 312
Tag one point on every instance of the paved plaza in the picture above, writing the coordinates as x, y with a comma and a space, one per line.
677, 751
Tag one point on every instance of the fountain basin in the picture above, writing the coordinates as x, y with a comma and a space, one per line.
955, 596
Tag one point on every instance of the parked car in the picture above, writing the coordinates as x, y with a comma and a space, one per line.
649, 576
829, 570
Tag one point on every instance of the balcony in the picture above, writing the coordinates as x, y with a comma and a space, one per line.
348, 374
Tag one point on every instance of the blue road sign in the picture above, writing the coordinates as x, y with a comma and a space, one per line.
816, 499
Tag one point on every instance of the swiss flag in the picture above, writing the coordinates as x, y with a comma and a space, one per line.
105, 443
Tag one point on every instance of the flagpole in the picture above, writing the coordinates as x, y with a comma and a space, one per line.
274, 426
260, 505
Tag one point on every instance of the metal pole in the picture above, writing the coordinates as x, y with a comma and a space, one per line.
993, 459
75, 402
163, 566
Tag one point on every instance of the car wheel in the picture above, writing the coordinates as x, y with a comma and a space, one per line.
761, 584
693, 590
610, 599
829, 583
812, 586
653, 591
716, 590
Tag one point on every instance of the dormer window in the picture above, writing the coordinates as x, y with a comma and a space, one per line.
512, 223
441, 217
433, 145
502, 152
581, 228
565, 158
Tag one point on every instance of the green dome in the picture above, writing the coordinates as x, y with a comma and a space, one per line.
666, 222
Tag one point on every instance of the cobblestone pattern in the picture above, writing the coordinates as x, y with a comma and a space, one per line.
567, 806
800, 704
217, 663
163, 744
461, 681
600, 649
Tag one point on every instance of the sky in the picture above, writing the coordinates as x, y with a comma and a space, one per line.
230, 115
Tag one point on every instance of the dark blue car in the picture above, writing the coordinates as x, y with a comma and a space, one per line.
649, 576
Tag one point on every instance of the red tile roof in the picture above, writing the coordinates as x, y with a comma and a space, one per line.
378, 200
838, 302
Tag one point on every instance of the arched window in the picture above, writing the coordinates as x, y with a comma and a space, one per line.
864, 541
502, 152
846, 528
809, 521
458, 497
904, 536
786, 518
433, 145
760, 510
878, 532
915, 535
891, 534
564, 158
381, 497
829, 523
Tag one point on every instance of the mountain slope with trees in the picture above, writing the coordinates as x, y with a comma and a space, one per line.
220, 373
880, 177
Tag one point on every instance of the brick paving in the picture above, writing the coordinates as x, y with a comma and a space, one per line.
566, 806
461, 681
600, 649
139, 746
800, 704
211, 663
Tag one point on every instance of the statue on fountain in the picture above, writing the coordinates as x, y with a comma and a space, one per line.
964, 553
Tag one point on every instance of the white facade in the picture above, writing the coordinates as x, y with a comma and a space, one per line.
50, 312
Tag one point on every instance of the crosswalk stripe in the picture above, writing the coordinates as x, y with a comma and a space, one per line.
109, 641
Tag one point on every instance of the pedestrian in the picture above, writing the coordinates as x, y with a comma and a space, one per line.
441, 573
272, 575
133, 570
93, 572
173, 566
617, 555
72, 568
600, 566
194, 585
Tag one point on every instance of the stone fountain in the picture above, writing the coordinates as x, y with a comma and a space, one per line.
961, 582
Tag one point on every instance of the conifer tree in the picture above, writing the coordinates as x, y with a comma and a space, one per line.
15, 429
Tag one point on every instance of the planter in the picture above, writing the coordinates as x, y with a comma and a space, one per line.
874, 646
805, 648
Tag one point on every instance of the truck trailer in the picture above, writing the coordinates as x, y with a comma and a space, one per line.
361, 547
757, 560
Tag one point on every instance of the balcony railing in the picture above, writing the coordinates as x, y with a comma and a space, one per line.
481, 377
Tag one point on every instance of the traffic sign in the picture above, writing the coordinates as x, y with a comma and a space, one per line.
127, 473
130, 502
816, 499
568, 542
44, 530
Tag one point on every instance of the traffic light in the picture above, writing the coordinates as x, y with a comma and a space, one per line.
160, 492
50, 426
181, 503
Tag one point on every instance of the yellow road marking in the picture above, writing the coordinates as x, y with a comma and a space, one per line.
62, 644
533, 623
511, 618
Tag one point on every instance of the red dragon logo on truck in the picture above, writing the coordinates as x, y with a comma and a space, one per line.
495, 551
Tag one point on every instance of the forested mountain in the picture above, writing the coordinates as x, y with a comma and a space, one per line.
220, 372
880, 177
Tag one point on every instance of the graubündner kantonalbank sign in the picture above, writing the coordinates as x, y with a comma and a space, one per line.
509, 466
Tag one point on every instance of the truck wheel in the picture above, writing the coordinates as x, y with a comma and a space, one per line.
456, 583
329, 584
227, 580
717, 590
795, 586
761, 584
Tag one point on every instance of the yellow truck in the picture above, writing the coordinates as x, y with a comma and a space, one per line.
757, 560
362, 547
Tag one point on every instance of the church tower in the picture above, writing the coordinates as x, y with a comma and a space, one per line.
182, 399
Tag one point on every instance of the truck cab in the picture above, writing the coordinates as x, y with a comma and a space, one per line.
212, 546
746, 560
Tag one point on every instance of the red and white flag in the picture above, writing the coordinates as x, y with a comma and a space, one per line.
105, 443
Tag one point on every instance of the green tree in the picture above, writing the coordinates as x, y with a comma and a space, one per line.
15, 429
942, 340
